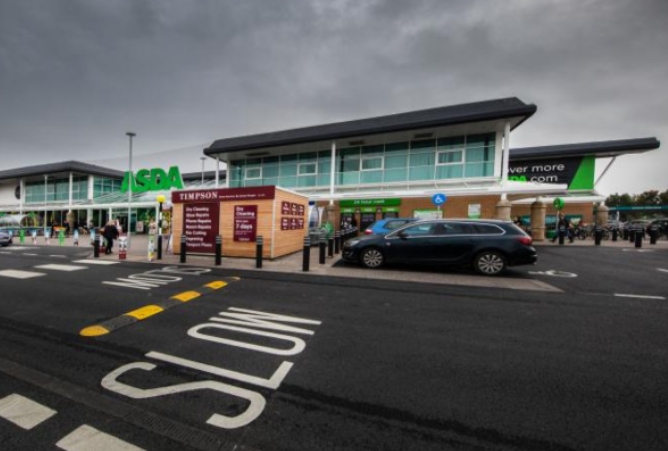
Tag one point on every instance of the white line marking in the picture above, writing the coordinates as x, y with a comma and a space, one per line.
16, 274
58, 256
639, 296
85, 438
24, 412
95, 262
32, 255
662, 270
55, 267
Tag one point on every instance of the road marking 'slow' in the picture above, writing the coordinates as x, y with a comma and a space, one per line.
149, 310
86, 437
639, 296
24, 412
18, 274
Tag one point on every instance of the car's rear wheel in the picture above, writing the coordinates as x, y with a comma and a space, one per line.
490, 263
372, 258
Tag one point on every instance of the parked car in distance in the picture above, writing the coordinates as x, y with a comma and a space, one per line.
662, 225
5, 238
383, 226
488, 246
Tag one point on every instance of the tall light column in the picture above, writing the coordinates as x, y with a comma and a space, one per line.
202, 158
45, 191
131, 178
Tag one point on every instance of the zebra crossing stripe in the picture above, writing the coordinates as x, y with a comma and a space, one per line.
57, 267
147, 311
87, 437
18, 274
24, 412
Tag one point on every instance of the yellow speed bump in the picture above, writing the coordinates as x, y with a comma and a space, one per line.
186, 296
216, 285
93, 331
145, 312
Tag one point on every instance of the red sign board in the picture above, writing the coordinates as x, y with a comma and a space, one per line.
245, 222
200, 226
224, 194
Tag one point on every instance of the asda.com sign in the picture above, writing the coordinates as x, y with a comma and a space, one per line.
576, 172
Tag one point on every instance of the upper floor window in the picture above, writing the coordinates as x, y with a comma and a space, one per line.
253, 173
307, 168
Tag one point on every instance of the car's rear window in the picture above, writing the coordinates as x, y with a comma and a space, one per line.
488, 229
394, 224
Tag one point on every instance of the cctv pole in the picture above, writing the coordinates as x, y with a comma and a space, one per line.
130, 179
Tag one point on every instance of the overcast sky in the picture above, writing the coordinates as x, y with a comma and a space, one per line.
75, 75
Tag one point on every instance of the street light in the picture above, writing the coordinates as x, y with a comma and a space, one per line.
130, 135
202, 158
161, 200
45, 190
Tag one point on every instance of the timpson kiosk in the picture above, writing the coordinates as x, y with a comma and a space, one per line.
240, 215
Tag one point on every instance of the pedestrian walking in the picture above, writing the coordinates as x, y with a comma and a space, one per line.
110, 234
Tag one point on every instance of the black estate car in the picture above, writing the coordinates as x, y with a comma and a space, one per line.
489, 246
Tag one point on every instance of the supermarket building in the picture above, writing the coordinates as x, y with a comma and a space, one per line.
358, 171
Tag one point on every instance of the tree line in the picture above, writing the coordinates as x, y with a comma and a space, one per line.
651, 197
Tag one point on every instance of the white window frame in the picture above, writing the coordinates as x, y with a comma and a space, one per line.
247, 177
374, 157
301, 165
440, 152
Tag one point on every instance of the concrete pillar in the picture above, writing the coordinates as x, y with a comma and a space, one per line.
331, 215
538, 209
503, 209
601, 217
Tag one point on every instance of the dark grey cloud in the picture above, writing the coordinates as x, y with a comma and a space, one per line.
75, 75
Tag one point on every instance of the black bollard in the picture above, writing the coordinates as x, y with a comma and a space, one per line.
615, 232
323, 246
307, 253
653, 234
184, 245
562, 235
337, 242
598, 234
330, 246
96, 246
219, 249
638, 237
159, 246
259, 244
632, 235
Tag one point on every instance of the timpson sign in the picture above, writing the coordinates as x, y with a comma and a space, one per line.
224, 195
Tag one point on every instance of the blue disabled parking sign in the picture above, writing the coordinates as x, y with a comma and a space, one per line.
439, 199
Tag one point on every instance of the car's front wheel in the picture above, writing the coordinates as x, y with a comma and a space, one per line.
372, 258
490, 263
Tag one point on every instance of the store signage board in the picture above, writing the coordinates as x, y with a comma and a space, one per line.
224, 194
576, 172
200, 226
245, 223
370, 203
155, 179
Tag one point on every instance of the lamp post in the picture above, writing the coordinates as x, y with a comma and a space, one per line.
45, 191
130, 135
161, 200
202, 158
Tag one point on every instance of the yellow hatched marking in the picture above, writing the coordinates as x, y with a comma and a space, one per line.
186, 296
93, 331
216, 285
145, 312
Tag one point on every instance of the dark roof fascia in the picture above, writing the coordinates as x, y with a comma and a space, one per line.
414, 120
599, 149
65, 166
209, 175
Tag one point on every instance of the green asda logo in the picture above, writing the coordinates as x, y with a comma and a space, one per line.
155, 179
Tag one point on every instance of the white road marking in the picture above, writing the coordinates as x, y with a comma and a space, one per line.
17, 248
58, 256
32, 255
639, 296
85, 438
56, 267
17, 274
662, 270
24, 412
95, 262
554, 273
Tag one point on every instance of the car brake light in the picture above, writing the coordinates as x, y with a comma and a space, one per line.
368, 232
526, 240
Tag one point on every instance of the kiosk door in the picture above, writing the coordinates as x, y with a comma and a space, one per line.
366, 220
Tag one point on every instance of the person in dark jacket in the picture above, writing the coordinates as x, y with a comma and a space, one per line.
110, 234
